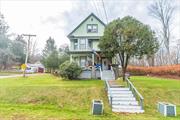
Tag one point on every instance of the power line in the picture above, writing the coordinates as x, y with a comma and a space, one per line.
95, 7
105, 11
99, 10
99, 13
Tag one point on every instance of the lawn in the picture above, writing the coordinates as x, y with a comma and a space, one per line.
49, 97
5, 73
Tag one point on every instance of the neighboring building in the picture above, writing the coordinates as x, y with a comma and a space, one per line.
84, 50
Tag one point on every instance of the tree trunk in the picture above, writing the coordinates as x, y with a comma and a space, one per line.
123, 73
124, 58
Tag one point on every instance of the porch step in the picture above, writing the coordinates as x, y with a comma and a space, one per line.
107, 75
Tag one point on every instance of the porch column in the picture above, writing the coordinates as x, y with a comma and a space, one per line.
93, 59
87, 46
93, 67
78, 42
79, 60
71, 59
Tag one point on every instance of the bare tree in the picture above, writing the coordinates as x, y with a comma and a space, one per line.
178, 52
162, 10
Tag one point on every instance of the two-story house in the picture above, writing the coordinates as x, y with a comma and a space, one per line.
84, 40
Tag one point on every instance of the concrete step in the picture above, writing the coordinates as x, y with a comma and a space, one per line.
117, 86
123, 98
125, 103
119, 89
127, 111
120, 92
121, 95
127, 107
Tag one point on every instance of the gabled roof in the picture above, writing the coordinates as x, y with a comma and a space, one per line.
92, 14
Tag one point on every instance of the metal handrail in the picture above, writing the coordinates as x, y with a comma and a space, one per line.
110, 94
135, 92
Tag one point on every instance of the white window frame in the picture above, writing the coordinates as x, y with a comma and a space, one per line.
82, 42
92, 28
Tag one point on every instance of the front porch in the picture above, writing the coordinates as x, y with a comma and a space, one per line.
89, 60
91, 63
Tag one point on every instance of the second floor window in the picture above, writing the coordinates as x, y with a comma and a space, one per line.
92, 28
75, 44
82, 44
90, 44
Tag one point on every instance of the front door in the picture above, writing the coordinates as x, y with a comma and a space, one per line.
104, 64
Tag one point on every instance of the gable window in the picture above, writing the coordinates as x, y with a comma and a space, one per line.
92, 28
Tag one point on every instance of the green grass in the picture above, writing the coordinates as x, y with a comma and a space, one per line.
5, 73
48, 97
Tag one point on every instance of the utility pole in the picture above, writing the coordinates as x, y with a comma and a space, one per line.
27, 52
28, 45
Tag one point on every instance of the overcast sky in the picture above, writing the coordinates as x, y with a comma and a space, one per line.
57, 18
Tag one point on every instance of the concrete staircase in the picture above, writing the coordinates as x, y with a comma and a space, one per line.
107, 75
122, 100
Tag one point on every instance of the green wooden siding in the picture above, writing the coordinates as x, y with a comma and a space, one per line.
82, 30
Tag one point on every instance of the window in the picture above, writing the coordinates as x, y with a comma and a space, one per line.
89, 27
92, 28
82, 44
75, 44
76, 59
89, 43
82, 61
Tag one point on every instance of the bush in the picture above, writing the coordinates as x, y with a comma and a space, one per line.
69, 70
157, 70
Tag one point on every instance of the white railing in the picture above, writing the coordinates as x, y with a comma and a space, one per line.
112, 72
135, 93
110, 94
100, 72
78, 49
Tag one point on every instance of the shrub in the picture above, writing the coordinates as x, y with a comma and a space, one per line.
156, 70
69, 70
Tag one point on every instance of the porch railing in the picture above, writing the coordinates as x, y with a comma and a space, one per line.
135, 93
100, 69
